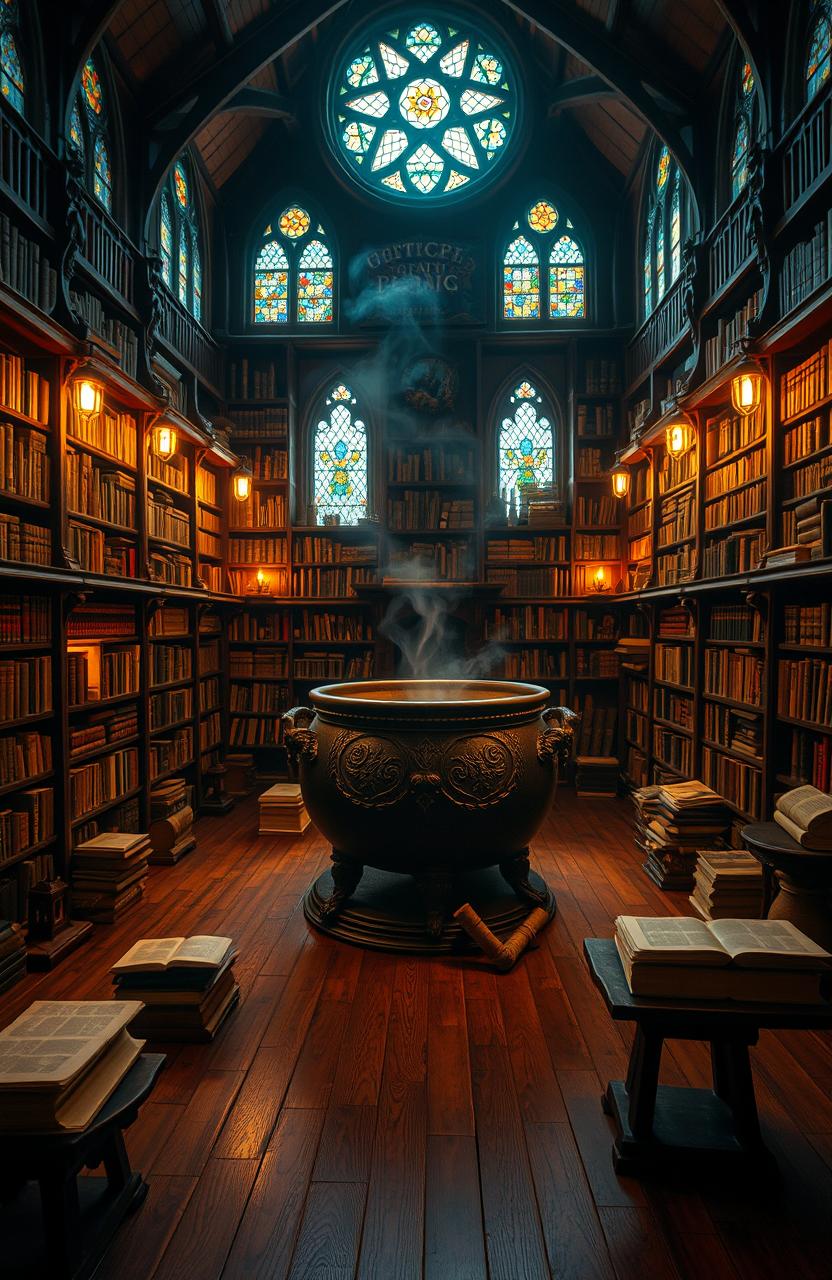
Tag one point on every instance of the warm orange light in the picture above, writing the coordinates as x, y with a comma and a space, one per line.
262, 580
620, 478
679, 436
747, 387
599, 579
242, 486
164, 440
87, 397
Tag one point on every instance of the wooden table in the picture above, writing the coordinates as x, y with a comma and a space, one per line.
662, 1126
63, 1234
804, 880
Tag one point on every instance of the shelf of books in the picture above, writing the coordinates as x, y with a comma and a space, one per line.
258, 539
733, 706
635, 652
735, 493
805, 461
27, 450
259, 639
211, 697
803, 698
675, 516
638, 532
102, 479
432, 510
673, 695
211, 543
171, 515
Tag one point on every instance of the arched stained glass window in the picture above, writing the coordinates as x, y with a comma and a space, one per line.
294, 271
166, 240
525, 442
340, 458
179, 227
12, 80
102, 178
647, 277
659, 259
271, 285
819, 55
315, 284
184, 266
422, 107
664, 230
566, 279
521, 281
543, 233
676, 229
743, 129
89, 134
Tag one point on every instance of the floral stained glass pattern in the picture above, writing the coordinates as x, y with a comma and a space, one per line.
294, 222
819, 59
662, 169
180, 185
566, 280
521, 281
647, 271
340, 459
91, 88
660, 282
271, 285
76, 132
166, 240
196, 269
526, 443
184, 256
739, 157
12, 82
102, 178
543, 216
676, 230
411, 80
315, 279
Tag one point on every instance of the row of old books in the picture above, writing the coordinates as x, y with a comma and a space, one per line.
28, 821
808, 382
417, 509
533, 664
247, 383
15, 886
282, 810
186, 986
24, 755
99, 491
330, 582
166, 521
808, 624
273, 698
444, 464
268, 464
116, 333
739, 553
719, 349
103, 727
171, 568
540, 547
171, 471
24, 542
731, 432
108, 875
527, 622
806, 266
316, 624
272, 626
596, 546
261, 664
24, 465
25, 687
170, 662
808, 437
804, 689
96, 783
257, 550
114, 434
24, 620
171, 821
764, 961
269, 425
595, 420
531, 582
728, 884
255, 733
596, 733
672, 822
595, 511
736, 674
312, 549
810, 759
261, 511
442, 561
117, 670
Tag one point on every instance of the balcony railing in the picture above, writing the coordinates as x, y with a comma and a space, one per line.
658, 335
108, 252
807, 154
24, 165
185, 337
730, 246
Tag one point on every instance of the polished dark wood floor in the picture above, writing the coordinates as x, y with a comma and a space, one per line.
363, 1115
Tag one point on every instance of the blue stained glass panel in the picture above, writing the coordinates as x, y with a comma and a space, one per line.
739, 157
340, 461
525, 447
12, 82
315, 284
271, 285
197, 274
102, 181
183, 267
819, 59
76, 132
166, 241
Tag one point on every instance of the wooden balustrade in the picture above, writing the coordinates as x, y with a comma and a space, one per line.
24, 166
807, 151
108, 252
186, 338
730, 248
658, 335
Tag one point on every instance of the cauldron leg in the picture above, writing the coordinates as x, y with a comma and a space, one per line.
435, 888
515, 871
346, 876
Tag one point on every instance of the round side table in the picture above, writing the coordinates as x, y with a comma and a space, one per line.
804, 880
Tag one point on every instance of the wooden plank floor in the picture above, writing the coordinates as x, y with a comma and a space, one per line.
398, 1118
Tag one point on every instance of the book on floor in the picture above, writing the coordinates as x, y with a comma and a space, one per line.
753, 960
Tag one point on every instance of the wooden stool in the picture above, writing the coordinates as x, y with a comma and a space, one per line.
65, 1236
659, 1126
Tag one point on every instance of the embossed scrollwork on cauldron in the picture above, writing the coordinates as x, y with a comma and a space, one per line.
480, 771
368, 770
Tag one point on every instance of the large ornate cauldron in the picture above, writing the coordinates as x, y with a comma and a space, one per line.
429, 778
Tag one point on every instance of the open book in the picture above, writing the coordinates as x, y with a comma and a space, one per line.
202, 951
750, 960
806, 814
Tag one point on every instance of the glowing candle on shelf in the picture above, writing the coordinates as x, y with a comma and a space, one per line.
164, 440
262, 580
599, 579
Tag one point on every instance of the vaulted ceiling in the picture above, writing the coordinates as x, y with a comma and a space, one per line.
224, 72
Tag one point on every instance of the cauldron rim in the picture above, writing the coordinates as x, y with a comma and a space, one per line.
364, 695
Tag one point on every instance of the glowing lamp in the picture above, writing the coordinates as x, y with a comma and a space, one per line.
679, 436
242, 486
262, 580
620, 479
87, 397
747, 387
164, 440
599, 580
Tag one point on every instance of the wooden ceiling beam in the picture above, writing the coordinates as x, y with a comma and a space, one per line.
262, 102
667, 110
572, 93
216, 16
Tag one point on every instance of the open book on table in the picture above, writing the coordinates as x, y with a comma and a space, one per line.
806, 814
152, 955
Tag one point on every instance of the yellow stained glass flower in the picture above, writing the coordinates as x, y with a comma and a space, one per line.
294, 222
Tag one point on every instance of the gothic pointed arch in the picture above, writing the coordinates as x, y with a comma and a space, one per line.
90, 131
543, 266
339, 453
665, 227
527, 436
180, 238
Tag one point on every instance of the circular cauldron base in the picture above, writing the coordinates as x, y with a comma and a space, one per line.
386, 911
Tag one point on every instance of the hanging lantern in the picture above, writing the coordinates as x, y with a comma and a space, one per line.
620, 480
242, 485
679, 435
163, 440
747, 387
87, 397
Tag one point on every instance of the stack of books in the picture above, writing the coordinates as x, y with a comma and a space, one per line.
634, 652
728, 884
171, 821
806, 815
681, 958
61, 1060
186, 986
808, 526
596, 775
282, 809
12, 954
108, 875
671, 821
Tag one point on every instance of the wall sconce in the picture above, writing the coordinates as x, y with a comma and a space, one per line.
241, 485
679, 435
620, 480
163, 440
747, 387
599, 580
87, 397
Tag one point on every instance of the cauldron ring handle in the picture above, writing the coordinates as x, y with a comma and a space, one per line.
301, 741
555, 742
